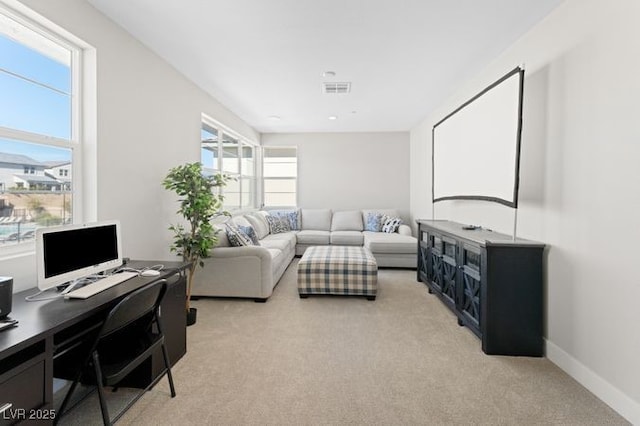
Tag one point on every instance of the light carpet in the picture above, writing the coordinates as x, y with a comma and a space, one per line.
401, 359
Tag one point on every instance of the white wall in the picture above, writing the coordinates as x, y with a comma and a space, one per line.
579, 186
148, 120
345, 171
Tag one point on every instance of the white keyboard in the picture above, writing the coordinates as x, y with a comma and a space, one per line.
100, 285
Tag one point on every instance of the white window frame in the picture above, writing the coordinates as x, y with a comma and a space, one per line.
221, 128
83, 204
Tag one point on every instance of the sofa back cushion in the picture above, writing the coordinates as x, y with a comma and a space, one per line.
240, 221
347, 221
316, 219
259, 224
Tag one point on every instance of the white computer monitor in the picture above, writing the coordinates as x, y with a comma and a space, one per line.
66, 253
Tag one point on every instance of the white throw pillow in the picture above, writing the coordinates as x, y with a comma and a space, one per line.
391, 224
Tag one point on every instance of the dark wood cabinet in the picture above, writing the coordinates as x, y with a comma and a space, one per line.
22, 384
491, 282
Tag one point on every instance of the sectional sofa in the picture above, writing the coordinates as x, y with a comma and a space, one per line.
253, 271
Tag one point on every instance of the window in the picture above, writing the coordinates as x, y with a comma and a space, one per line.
231, 167
38, 127
280, 173
222, 151
209, 149
248, 176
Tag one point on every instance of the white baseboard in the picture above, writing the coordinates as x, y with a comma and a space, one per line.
611, 395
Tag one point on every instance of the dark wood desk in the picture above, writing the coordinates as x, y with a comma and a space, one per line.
47, 329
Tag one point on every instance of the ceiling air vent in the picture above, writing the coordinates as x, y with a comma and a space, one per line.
335, 88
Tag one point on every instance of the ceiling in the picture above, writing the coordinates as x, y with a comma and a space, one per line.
264, 58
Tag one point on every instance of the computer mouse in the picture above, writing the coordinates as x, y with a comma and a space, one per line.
150, 273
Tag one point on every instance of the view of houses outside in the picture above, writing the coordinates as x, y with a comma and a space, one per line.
32, 193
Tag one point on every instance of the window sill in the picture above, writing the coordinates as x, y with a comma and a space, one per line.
15, 250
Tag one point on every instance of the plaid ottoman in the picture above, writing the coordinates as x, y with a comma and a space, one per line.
344, 270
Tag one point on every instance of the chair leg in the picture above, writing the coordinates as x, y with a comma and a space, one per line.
67, 397
103, 402
168, 367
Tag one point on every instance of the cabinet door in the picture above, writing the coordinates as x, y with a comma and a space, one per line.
434, 261
443, 267
423, 255
449, 270
471, 285
174, 305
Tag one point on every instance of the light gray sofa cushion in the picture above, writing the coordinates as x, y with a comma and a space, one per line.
382, 242
275, 244
347, 221
259, 224
288, 237
276, 255
312, 237
347, 238
241, 221
316, 219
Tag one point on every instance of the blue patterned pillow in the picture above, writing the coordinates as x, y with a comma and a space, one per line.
236, 237
278, 224
290, 215
391, 224
251, 233
374, 222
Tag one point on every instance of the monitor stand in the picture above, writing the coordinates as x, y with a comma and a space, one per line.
77, 283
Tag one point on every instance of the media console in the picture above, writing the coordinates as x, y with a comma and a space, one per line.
32, 352
492, 283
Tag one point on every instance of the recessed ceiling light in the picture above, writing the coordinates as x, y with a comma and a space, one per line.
274, 118
329, 74
333, 117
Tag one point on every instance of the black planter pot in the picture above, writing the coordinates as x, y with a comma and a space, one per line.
191, 316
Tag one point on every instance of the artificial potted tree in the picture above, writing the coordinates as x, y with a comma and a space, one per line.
200, 202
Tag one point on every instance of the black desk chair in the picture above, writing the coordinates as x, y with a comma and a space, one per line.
126, 339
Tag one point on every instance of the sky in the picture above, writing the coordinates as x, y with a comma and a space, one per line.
42, 105
206, 156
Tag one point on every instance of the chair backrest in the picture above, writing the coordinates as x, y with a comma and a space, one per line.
134, 306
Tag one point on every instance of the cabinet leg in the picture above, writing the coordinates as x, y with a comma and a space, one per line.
460, 323
430, 291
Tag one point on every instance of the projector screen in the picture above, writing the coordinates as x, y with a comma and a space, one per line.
476, 148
